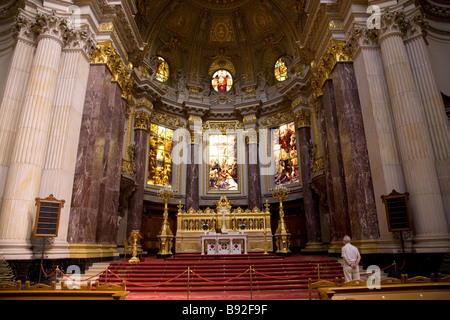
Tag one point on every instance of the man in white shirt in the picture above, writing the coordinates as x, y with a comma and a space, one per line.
351, 257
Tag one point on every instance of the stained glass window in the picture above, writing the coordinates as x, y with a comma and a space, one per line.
162, 72
281, 70
222, 81
160, 156
284, 144
223, 169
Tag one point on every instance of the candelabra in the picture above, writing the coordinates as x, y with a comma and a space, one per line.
135, 235
282, 234
165, 235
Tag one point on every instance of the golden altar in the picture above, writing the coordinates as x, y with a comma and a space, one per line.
192, 224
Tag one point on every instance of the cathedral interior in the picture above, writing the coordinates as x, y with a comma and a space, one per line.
315, 117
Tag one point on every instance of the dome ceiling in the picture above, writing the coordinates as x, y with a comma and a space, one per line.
245, 37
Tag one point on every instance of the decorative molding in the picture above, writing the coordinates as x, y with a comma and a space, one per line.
142, 121
337, 52
303, 118
277, 119
106, 53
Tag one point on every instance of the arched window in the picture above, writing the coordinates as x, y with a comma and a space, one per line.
280, 70
162, 73
160, 156
284, 146
222, 81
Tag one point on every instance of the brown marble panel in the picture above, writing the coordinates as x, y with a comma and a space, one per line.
361, 200
340, 222
88, 173
110, 183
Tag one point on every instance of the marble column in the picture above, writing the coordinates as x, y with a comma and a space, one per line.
141, 140
339, 217
432, 102
112, 161
313, 229
361, 200
91, 147
252, 162
14, 93
382, 147
18, 208
193, 167
414, 141
59, 169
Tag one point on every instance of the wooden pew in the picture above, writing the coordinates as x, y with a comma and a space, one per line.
403, 291
46, 292
444, 279
320, 284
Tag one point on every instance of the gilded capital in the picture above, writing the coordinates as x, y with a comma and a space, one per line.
142, 121
337, 51
106, 53
303, 118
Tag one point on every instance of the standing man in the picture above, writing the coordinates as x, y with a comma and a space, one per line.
351, 256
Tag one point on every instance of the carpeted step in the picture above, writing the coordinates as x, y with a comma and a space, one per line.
225, 273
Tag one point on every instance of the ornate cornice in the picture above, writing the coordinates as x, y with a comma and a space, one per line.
107, 54
337, 51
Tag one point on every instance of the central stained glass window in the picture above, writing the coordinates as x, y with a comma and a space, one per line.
284, 144
222, 81
160, 156
223, 169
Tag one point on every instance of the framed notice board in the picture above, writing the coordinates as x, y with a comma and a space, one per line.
397, 211
47, 216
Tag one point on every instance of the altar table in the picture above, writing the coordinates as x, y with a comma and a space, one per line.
229, 243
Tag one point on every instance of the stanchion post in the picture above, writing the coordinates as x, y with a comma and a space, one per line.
318, 271
251, 283
188, 284
56, 274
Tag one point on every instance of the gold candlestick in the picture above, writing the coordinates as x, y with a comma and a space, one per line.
135, 235
282, 234
165, 235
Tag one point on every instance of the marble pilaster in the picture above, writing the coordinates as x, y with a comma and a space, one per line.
361, 201
339, 217
112, 161
28, 153
91, 147
432, 101
14, 93
414, 141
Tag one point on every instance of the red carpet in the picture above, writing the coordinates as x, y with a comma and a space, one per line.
222, 277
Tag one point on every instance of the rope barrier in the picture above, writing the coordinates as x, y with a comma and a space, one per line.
48, 275
147, 285
219, 282
284, 278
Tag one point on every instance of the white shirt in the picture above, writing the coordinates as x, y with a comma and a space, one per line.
350, 252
